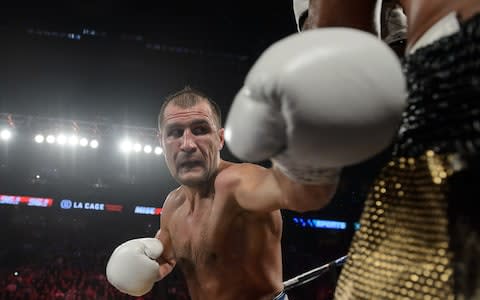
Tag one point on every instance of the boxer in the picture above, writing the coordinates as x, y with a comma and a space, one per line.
223, 226
419, 235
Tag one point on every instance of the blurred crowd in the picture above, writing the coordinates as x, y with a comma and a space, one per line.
47, 254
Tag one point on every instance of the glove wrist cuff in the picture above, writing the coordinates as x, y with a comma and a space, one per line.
306, 174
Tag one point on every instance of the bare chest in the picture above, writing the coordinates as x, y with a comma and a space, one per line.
203, 237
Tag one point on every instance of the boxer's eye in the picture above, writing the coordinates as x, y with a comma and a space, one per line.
175, 133
200, 130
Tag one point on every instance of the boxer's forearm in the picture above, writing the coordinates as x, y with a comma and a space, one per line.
265, 190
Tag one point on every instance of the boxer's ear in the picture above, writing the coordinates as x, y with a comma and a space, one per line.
159, 135
221, 136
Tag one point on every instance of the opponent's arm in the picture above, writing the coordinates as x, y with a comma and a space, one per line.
357, 14
135, 266
386, 16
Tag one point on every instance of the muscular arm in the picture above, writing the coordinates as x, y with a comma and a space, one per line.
259, 189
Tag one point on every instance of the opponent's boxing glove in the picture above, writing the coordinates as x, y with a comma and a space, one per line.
324, 98
132, 268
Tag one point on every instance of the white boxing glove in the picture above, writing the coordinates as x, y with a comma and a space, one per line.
132, 267
316, 100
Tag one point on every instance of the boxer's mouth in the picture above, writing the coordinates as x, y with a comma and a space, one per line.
190, 164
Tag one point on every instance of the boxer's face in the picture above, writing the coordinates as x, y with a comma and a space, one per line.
191, 142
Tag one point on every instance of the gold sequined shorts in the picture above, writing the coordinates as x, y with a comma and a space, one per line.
401, 250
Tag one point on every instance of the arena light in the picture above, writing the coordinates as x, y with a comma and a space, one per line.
61, 139
73, 140
5, 134
94, 144
147, 149
137, 147
158, 150
83, 142
39, 138
126, 146
50, 139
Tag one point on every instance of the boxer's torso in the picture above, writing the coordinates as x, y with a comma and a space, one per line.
422, 14
225, 251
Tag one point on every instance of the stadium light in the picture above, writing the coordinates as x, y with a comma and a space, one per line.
137, 147
94, 144
73, 140
5, 134
147, 149
158, 150
50, 139
39, 138
61, 139
83, 142
126, 146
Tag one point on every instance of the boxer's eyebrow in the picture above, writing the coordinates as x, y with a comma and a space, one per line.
200, 122
187, 124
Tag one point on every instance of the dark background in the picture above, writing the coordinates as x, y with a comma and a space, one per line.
107, 65
112, 62
116, 73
